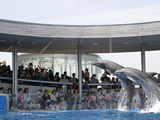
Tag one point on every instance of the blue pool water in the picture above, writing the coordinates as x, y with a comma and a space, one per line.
81, 115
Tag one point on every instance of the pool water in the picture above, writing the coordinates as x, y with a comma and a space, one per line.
81, 115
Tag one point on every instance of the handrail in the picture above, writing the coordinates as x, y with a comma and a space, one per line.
62, 83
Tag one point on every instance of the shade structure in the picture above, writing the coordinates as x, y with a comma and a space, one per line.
46, 38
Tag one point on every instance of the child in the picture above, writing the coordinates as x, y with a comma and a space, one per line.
51, 106
57, 106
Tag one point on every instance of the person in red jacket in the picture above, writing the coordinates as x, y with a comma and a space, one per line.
74, 86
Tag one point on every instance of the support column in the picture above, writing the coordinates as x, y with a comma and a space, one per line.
14, 70
143, 62
80, 72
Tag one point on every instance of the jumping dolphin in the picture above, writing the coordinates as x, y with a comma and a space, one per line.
144, 79
110, 68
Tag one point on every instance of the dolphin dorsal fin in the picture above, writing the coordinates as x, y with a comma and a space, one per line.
151, 73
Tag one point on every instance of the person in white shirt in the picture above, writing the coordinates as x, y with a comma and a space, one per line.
27, 95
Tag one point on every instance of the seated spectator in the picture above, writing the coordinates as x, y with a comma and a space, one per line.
76, 99
84, 100
57, 106
37, 100
2, 90
9, 92
20, 100
64, 79
63, 104
70, 79
109, 95
27, 95
85, 86
116, 86
99, 94
46, 96
92, 104
105, 76
89, 91
52, 106
57, 91
45, 105
117, 94
74, 78
69, 99
103, 82
74, 86
53, 96
60, 93
94, 80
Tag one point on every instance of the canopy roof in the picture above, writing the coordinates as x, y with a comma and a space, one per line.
46, 38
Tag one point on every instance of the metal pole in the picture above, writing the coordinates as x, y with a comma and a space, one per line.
14, 69
80, 72
143, 63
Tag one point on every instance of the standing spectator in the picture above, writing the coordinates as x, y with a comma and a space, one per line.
43, 73
74, 77
51, 77
82, 74
65, 74
57, 76
46, 78
86, 74
34, 76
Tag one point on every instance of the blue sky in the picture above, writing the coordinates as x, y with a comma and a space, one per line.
88, 12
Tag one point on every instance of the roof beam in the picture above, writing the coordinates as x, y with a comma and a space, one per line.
110, 45
47, 46
17, 42
80, 43
141, 42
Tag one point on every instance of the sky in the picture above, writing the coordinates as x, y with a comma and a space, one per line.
88, 12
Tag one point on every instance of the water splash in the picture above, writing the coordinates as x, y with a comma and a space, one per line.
152, 104
123, 99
